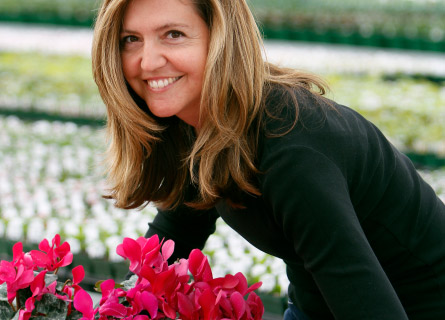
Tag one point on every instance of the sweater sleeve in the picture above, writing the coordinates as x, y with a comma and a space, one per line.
188, 228
310, 199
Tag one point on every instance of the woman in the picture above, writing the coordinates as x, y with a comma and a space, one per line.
203, 127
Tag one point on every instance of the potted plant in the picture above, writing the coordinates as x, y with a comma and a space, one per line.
184, 290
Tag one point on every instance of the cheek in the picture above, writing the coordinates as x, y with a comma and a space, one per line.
129, 67
196, 67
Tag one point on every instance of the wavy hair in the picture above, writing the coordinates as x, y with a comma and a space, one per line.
151, 159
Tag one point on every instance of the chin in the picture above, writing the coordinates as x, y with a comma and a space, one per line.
161, 113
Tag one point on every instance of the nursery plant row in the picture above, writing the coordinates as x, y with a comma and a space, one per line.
408, 108
51, 181
366, 23
375, 23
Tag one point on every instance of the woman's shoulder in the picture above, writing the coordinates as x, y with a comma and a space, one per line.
302, 112
299, 119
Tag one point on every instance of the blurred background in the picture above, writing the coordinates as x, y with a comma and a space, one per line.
385, 59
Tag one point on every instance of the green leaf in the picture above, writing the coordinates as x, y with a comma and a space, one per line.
130, 283
75, 315
50, 278
51, 307
6, 311
16, 316
3, 292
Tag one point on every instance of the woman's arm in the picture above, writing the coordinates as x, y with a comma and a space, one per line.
310, 198
189, 228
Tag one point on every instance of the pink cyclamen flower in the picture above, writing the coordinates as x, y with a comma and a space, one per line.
16, 278
71, 289
146, 252
19, 257
199, 266
255, 305
39, 288
109, 303
142, 299
25, 314
84, 304
52, 257
78, 275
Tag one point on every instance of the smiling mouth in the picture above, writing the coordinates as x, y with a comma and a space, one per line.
162, 83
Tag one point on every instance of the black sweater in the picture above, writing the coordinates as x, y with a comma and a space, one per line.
361, 233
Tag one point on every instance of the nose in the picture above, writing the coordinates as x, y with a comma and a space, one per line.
153, 56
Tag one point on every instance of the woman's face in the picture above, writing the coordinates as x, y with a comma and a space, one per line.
164, 45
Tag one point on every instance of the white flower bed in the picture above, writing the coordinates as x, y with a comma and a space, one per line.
51, 182
411, 113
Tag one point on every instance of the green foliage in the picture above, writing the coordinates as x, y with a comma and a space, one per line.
49, 83
49, 307
336, 20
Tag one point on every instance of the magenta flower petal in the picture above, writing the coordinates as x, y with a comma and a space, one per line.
78, 274
107, 288
207, 300
254, 287
165, 281
238, 304
40, 258
150, 303
120, 250
113, 309
62, 250
230, 282
84, 304
25, 314
182, 267
167, 249
38, 284
199, 266
149, 244
51, 288
7, 271
168, 311
17, 251
56, 240
25, 279
242, 285
148, 273
185, 306
225, 304
256, 306
66, 260
132, 252
132, 249
44, 245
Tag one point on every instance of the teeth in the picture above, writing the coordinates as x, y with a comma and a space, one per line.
161, 83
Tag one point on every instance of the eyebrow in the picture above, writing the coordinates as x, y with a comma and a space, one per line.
162, 27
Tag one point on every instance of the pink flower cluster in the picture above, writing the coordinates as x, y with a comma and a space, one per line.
23, 271
165, 291
185, 289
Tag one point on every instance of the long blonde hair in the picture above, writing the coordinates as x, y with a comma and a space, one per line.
154, 159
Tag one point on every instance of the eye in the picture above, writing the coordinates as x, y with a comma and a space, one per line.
174, 34
129, 39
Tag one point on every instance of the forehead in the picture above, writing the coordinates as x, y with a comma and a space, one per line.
153, 10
